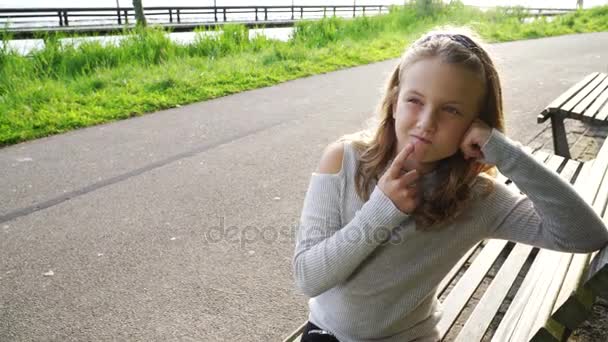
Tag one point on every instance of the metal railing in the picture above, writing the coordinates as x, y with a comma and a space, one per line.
26, 22
533, 12
20, 19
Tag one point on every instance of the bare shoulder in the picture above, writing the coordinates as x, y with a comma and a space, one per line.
331, 160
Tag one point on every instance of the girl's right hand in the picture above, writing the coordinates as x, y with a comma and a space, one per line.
399, 187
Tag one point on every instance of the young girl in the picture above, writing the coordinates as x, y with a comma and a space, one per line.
390, 210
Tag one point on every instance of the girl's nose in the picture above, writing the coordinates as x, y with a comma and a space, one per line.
427, 120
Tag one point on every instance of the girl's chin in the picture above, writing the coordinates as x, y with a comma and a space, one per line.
423, 160
422, 154
428, 159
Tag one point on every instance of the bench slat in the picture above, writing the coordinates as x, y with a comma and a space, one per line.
574, 302
463, 290
480, 319
597, 278
545, 292
545, 328
554, 162
466, 286
570, 169
515, 310
582, 94
500, 178
598, 175
550, 290
297, 334
450, 276
604, 112
541, 156
573, 310
600, 94
602, 196
568, 309
576, 269
599, 85
563, 98
528, 149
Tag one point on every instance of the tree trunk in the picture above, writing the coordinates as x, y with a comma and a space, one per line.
139, 13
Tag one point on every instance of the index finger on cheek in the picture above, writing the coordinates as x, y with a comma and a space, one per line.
397, 165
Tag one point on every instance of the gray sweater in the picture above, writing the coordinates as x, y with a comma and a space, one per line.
371, 276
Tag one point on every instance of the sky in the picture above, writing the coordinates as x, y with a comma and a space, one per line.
112, 3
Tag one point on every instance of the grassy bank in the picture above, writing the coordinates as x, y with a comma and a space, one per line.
68, 86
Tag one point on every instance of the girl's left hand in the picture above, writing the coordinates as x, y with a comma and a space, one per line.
476, 137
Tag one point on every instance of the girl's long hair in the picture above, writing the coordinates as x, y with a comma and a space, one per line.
377, 144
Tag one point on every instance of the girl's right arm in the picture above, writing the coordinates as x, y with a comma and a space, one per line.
326, 252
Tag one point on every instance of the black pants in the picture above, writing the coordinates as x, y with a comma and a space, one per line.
313, 333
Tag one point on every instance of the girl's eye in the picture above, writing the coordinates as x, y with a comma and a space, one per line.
414, 101
452, 110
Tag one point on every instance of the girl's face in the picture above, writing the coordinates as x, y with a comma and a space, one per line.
437, 103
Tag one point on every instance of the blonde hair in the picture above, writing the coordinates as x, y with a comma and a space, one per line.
378, 142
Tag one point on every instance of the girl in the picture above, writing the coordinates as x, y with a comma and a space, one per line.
390, 210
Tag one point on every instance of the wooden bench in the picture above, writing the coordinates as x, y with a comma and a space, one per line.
586, 101
557, 291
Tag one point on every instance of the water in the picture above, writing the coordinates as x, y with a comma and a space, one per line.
24, 46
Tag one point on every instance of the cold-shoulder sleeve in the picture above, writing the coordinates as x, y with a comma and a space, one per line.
550, 214
326, 251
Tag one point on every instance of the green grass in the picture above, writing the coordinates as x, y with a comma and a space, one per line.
64, 86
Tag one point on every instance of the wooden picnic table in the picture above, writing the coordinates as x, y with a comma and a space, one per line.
586, 101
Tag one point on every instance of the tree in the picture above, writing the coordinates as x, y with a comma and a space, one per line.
139, 13
428, 8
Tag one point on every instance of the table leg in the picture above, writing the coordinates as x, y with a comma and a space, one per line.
560, 143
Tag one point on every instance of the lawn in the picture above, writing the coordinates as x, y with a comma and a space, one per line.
68, 86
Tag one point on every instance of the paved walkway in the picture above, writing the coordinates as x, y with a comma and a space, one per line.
114, 232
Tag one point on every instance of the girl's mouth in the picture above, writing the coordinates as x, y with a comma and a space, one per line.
420, 139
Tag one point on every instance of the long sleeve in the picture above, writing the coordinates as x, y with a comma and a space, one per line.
326, 252
550, 214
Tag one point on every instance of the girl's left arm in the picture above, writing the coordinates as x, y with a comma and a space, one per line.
550, 215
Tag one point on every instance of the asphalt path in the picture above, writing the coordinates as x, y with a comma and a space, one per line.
179, 225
